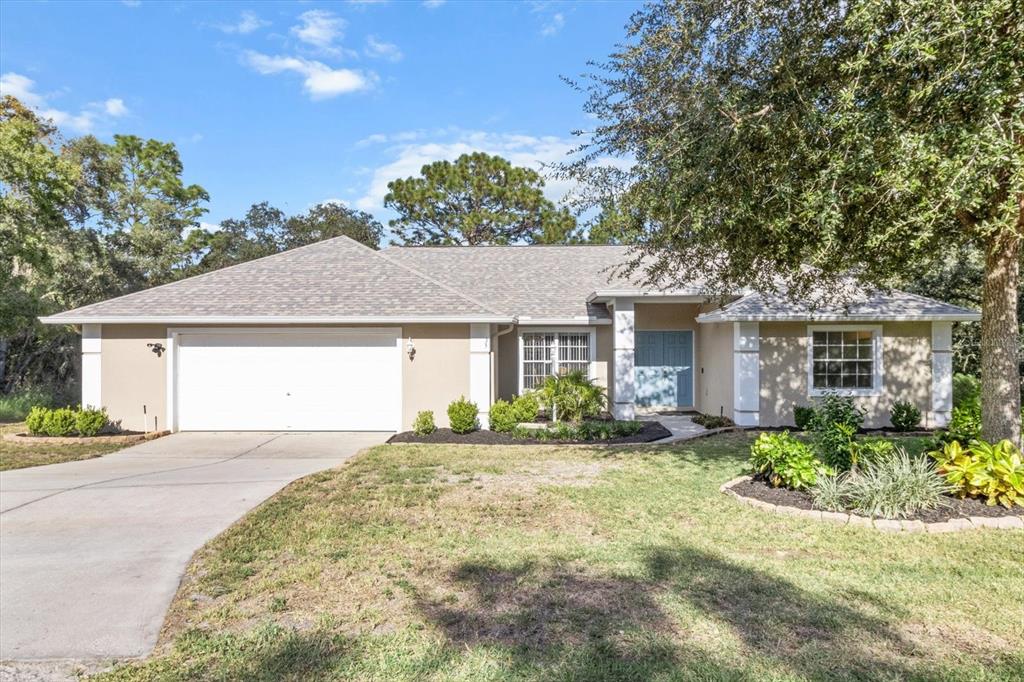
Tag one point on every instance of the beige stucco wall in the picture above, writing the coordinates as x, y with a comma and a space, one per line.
133, 380
714, 369
665, 316
506, 349
439, 372
906, 371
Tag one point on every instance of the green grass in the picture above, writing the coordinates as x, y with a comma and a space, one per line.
575, 563
20, 455
15, 406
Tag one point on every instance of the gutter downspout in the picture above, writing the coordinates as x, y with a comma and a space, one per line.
494, 373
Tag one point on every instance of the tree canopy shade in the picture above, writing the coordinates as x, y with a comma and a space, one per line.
789, 143
479, 199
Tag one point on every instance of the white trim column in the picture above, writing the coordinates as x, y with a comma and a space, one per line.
92, 340
480, 370
624, 394
746, 368
942, 374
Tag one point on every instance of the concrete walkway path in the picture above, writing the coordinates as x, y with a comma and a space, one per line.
91, 552
681, 426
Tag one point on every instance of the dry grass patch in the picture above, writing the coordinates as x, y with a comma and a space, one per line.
21, 455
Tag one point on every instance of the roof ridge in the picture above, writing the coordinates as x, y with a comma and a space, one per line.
193, 278
380, 254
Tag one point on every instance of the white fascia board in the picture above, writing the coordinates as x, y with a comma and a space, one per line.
962, 317
562, 321
682, 295
275, 319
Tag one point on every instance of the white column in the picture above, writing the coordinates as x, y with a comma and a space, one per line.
942, 373
625, 376
91, 341
480, 370
746, 361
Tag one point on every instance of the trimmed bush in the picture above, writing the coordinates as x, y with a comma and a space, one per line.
895, 485
803, 415
503, 416
993, 471
59, 422
964, 424
584, 431
423, 424
836, 421
711, 422
785, 461
904, 416
36, 420
526, 407
571, 397
90, 422
462, 415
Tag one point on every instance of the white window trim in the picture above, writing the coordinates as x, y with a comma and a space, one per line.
592, 349
876, 357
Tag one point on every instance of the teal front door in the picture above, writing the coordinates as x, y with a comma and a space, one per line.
664, 369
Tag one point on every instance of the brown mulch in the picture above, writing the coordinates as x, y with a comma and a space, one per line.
952, 507
651, 431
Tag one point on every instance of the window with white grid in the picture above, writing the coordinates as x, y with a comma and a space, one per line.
549, 353
844, 360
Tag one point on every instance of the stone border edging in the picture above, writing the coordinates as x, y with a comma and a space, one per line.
25, 439
884, 525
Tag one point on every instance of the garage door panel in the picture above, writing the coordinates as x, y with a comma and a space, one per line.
289, 381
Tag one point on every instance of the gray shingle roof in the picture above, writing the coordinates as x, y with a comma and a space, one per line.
875, 305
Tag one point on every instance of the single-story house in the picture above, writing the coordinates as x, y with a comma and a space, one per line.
337, 336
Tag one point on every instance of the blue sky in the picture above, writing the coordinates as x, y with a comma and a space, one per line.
301, 102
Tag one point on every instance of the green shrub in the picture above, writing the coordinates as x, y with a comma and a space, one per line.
964, 423
462, 415
966, 390
711, 422
993, 471
60, 422
895, 485
503, 416
572, 396
785, 461
16, 406
36, 420
423, 424
904, 416
526, 407
870, 449
90, 422
836, 421
802, 416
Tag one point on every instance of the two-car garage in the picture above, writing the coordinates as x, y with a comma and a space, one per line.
314, 379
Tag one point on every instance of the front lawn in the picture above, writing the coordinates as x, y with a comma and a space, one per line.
575, 563
20, 455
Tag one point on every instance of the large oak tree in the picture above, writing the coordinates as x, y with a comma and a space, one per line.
801, 141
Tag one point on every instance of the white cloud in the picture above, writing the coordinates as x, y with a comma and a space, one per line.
319, 28
115, 107
21, 87
553, 25
24, 88
521, 150
433, 4
247, 23
320, 81
379, 48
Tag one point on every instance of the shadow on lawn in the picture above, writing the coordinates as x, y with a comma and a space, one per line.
557, 623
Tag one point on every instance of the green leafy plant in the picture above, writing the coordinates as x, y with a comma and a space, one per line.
712, 422
36, 420
526, 407
966, 390
503, 416
869, 449
833, 428
895, 485
994, 471
785, 461
15, 407
423, 424
572, 396
904, 416
462, 415
964, 423
59, 422
90, 422
803, 415
583, 431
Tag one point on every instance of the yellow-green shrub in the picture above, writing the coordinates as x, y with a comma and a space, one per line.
993, 471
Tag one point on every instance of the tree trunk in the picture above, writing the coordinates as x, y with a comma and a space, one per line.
1000, 343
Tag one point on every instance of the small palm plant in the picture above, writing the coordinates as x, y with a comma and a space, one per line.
572, 396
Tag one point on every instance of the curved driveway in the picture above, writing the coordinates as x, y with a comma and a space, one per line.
91, 552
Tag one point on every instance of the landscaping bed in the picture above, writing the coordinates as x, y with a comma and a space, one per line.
120, 437
650, 431
950, 507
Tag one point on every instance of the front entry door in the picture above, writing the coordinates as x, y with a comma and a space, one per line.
664, 369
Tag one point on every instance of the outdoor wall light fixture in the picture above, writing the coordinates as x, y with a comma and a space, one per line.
157, 348
410, 348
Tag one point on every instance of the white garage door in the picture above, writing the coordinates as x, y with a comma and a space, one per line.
279, 381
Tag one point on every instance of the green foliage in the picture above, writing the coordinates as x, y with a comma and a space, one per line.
993, 471
526, 407
964, 423
966, 390
36, 420
833, 429
14, 407
572, 396
894, 485
59, 422
423, 424
503, 416
870, 449
477, 199
785, 461
904, 416
803, 415
462, 415
711, 422
582, 431
89, 422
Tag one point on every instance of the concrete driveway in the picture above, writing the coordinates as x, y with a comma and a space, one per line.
92, 552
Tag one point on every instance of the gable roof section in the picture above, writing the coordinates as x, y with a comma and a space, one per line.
868, 306
336, 280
